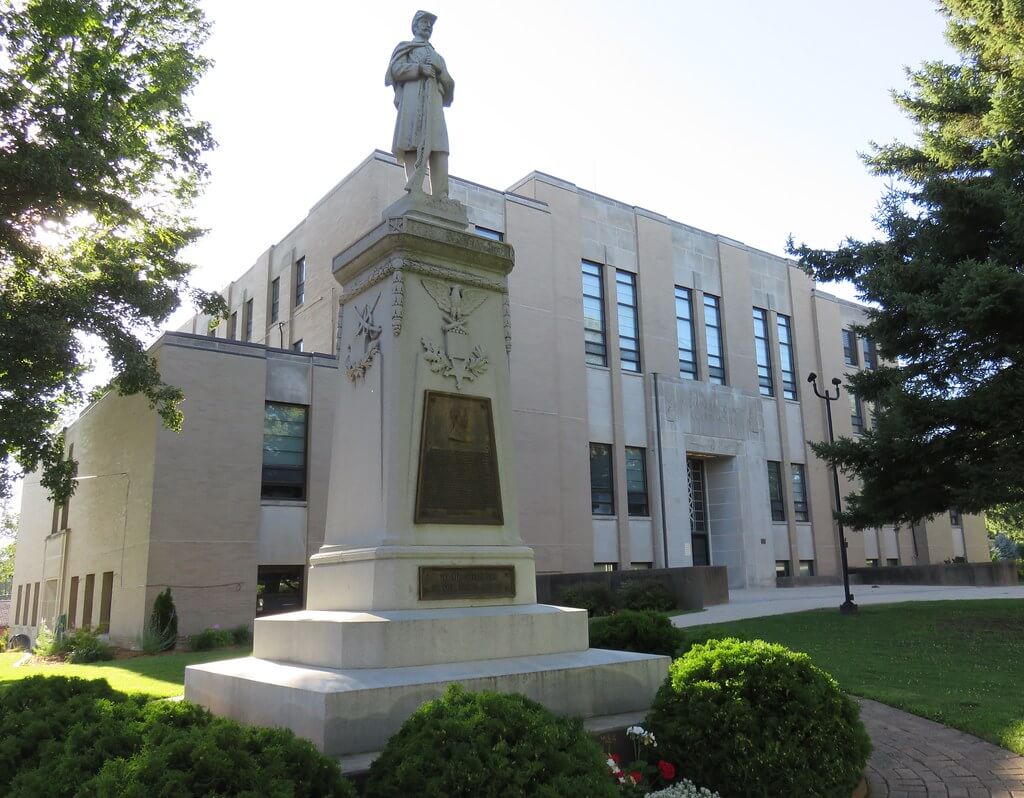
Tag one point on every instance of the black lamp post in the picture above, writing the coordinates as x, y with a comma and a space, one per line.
847, 606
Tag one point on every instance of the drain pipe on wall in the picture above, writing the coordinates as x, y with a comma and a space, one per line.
661, 470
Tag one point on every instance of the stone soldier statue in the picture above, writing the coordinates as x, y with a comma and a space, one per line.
423, 89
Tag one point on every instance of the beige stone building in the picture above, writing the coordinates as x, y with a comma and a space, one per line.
661, 415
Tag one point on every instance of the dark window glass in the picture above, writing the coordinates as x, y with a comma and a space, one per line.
765, 382
494, 235
713, 336
870, 354
955, 518
90, 590
806, 567
602, 494
871, 562
279, 589
593, 315
856, 414
275, 299
800, 493
17, 606
629, 324
636, 481
606, 566
247, 318
781, 568
284, 451
849, 348
892, 562
73, 603
775, 490
232, 326
786, 360
685, 334
300, 281
106, 596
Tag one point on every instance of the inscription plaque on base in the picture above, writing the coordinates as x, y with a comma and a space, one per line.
467, 582
458, 468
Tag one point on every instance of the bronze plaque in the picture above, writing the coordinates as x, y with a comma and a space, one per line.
458, 470
467, 582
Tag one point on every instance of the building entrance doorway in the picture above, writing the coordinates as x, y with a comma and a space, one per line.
696, 487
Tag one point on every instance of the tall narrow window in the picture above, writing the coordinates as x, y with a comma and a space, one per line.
106, 596
65, 508
856, 414
35, 604
300, 281
775, 491
849, 348
870, 354
713, 336
232, 326
90, 589
284, 451
787, 364
247, 320
73, 603
275, 299
17, 607
593, 315
800, 512
955, 518
685, 334
765, 381
636, 481
629, 324
602, 493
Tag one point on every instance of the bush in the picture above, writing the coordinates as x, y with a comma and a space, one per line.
4, 635
756, 719
162, 630
645, 631
646, 594
78, 737
487, 745
240, 635
595, 598
210, 638
47, 644
684, 789
83, 646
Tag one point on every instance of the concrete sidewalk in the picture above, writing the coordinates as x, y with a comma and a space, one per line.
778, 601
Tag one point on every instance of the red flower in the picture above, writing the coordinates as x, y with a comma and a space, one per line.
666, 769
614, 758
637, 776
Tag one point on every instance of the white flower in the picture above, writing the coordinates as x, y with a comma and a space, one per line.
635, 731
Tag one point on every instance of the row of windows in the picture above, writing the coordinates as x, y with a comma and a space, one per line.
602, 480
850, 351
798, 481
275, 306
26, 603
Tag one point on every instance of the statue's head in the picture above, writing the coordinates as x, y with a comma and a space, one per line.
423, 24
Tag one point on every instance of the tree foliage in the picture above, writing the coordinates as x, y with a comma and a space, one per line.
948, 282
99, 160
8, 544
1008, 520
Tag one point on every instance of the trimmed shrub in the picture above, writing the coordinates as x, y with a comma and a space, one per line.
240, 635
595, 598
756, 719
488, 745
162, 629
83, 645
81, 738
645, 594
210, 638
47, 644
644, 631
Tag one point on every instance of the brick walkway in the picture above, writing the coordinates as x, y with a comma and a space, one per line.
918, 758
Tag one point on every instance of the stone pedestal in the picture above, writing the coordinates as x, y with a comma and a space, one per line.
423, 578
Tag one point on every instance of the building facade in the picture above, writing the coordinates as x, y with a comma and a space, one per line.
661, 417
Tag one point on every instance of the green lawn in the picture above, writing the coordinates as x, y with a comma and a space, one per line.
161, 676
957, 662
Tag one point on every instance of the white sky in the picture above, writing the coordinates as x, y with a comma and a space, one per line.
741, 117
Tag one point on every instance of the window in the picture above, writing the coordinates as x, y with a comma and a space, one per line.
787, 364
641, 566
685, 334
593, 315
278, 589
232, 326
713, 336
17, 607
765, 381
284, 451
775, 490
781, 568
247, 320
955, 518
106, 595
849, 348
629, 324
856, 414
799, 493
300, 281
494, 235
73, 603
35, 604
806, 567
871, 562
636, 481
870, 354
602, 495
297, 346
606, 567
892, 562
275, 299
90, 589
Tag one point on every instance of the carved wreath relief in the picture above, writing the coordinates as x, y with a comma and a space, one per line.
456, 359
368, 332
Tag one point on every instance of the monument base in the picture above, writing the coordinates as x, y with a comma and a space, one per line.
441, 211
357, 710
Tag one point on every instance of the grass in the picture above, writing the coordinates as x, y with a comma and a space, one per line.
161, 677
960, 663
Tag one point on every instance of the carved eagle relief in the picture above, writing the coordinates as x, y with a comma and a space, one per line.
456, 303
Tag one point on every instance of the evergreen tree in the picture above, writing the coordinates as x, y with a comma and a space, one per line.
163, 620
947, 277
